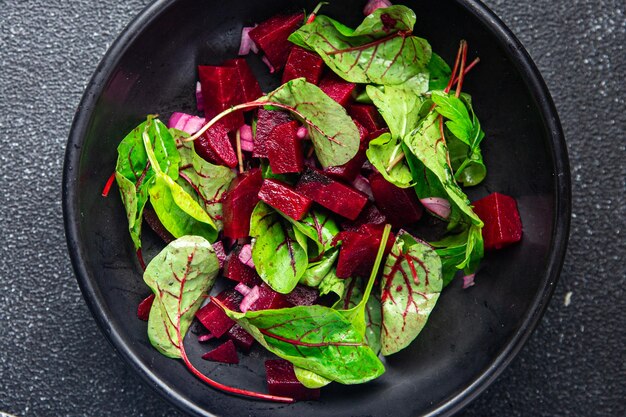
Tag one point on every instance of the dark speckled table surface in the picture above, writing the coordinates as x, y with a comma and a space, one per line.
55, 362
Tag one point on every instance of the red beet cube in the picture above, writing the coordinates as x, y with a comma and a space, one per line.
400, 205
337, 88
349, 171
238, 203
368, 116
224, 353
267, 120
303, 295
250, 88
271, 37
242, 338
285, 149
269, 300
370, 214
214, 146
303, 63
283, 198
335, 196
143, 310
359, 249
282, 381
503, 226
240, 272
221, 89
213, 317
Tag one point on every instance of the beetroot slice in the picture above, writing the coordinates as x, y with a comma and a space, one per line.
349, 171
213, 317
358, 250
503, 225
224, 353
284, 199
337, 88
370, 214
238, 203
285, 149
214, 146
400, 205
335, 196
269, 300
281, 380
221, 89
271, 37
143, 309
155, 224
368, 116
303, 63
250, 88
267, 120
303, 296
240, 272
242, 339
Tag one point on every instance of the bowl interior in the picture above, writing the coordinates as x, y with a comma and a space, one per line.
152, 70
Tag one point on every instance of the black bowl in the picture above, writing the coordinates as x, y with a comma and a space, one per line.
472, 335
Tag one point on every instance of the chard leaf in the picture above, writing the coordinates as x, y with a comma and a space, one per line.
399, 107
310, 379
178, 276
333, 284
318, 270
410, 287
315, 338
439, 73
382, 152
462, 251
278, 251
319, 226
335, 136
352, 296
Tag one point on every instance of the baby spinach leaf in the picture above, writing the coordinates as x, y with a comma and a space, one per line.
439, 73
319, 226
178, 276
315, 338
410, 287
462, 251
335, 136
318, 270
352, 296
278, 251
382, 153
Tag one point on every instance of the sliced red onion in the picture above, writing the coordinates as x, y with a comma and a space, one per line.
243, 289
199, 97
363, 185
218, 247
247, 141
437, 205
203, 338
373, 5
245, 255
302, 133
468, 281
247, 44
185, 122
269, 64
249, 299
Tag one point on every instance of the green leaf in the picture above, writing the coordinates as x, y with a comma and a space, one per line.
454, 110
278, 252
352, 296
468, 165
310, 379
335, 136
399, 107
382, 153
439, 73
315, 338
319, 226
333, 284
178, 276
462, 251
318, 270
410, 288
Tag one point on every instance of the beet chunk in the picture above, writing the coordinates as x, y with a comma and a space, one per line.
503, 226
337, 88
267, 120
250, 88
224, 353
349, 171
358, 250
303, 63
143, 309
335, 196
269, 300
285, 149
155, 224
303, 296
214, 146
241, 338
367, 115
271, 37
400, 205
240, 272
238, 203
284, 199
221, 89
213, 317
281, 380
370, 214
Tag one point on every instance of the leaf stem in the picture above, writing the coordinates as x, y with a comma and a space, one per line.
108, 185
379, 258
213, 121
395, 162
464, 165
315, 11
239, 154
467, 70
459, 86
456, 67
152, 159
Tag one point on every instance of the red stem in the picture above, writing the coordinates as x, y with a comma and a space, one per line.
402, 33
108, 185
462, 71
140, 259
467, 70
456, 67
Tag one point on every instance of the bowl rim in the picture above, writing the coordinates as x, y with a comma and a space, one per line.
562, 214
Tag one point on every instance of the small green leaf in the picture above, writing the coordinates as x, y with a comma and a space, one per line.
319, 226
310, 379
399, 107
332, 284
462, 251
454, 110
382, 153
318, 270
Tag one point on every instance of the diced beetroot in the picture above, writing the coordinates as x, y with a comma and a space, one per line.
238, 203
239, 272
242, 338
400, 205
303, 296
214, 146
143, 310
370, 214
303, 63
250, 88
221, 89
349, 171
503, 225
224, 353
271, 37
267, 120
213, 317
284, 149
281, 380
155, 224
335, 196
367, 115
269, 300
358, 250
283, 198
337, 88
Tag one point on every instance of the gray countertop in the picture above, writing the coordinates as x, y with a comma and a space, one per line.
55, 362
